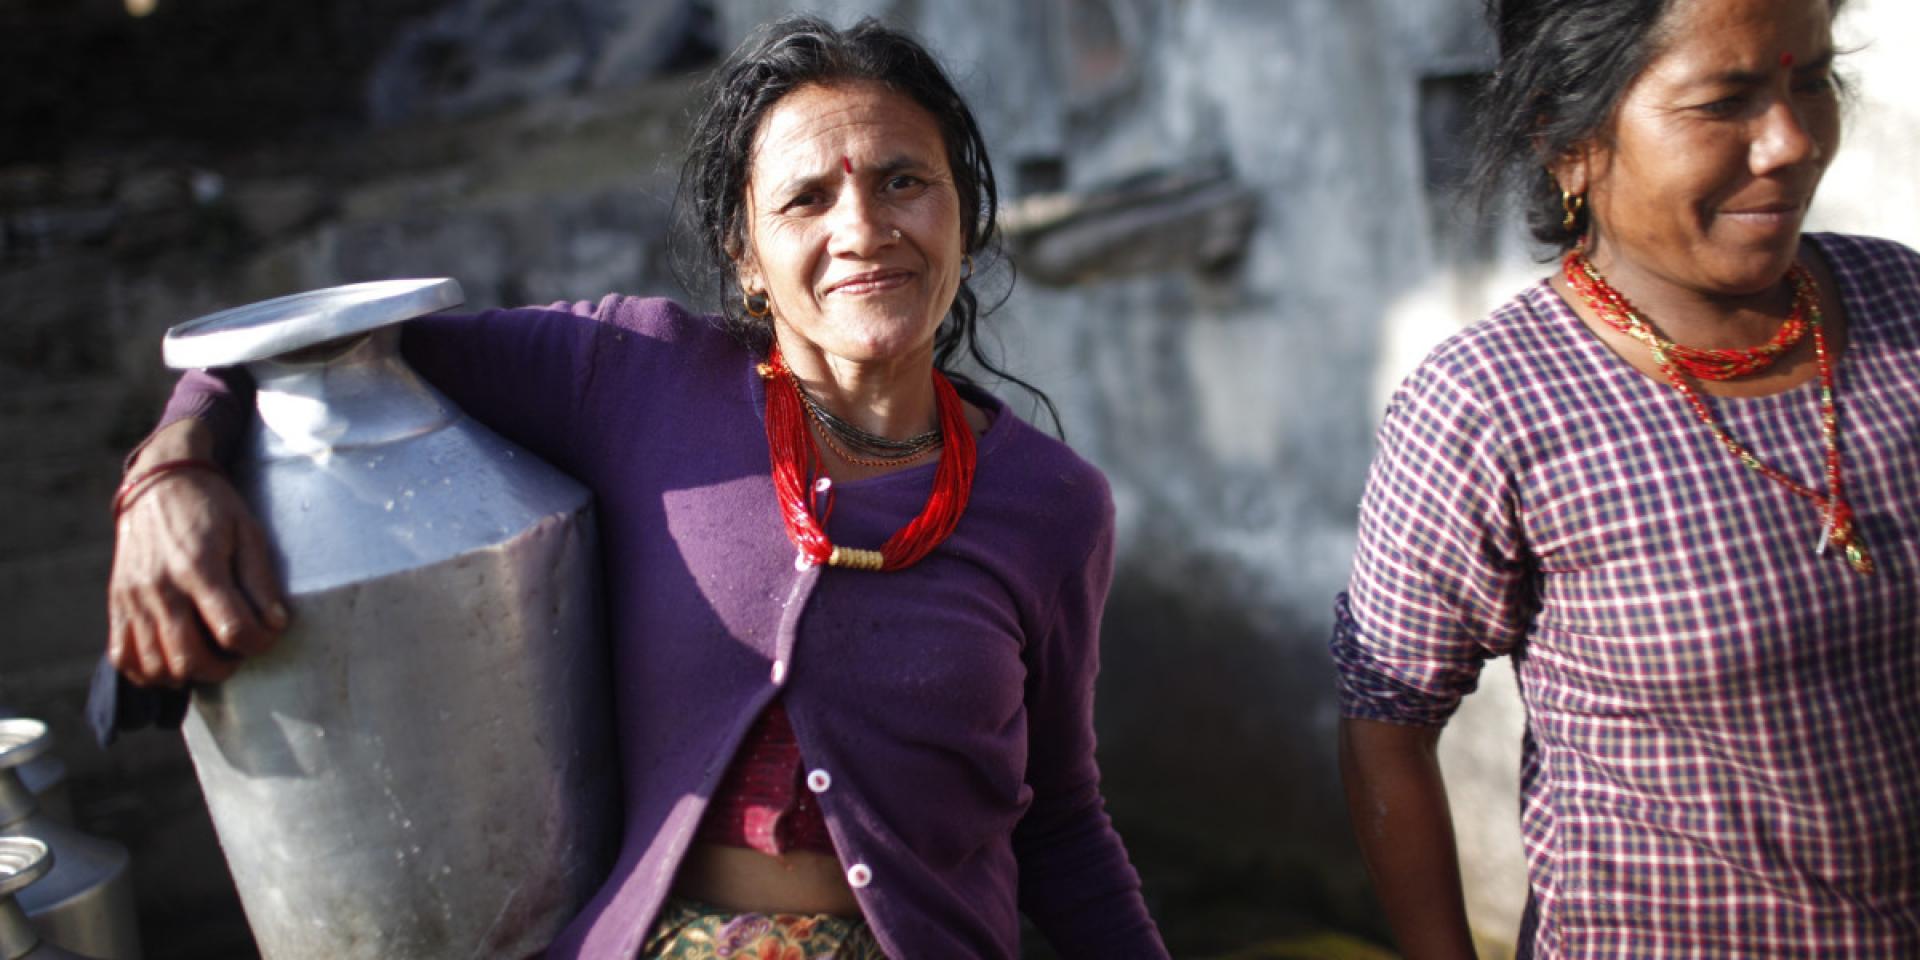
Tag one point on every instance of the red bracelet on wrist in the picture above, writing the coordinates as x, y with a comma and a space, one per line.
132, 487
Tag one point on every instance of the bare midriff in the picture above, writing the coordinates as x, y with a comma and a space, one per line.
740, 879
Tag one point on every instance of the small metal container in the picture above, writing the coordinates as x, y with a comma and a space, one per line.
84, 903
23, 860
422, 765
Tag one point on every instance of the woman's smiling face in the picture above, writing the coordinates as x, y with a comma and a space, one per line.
853, 224
1703, 177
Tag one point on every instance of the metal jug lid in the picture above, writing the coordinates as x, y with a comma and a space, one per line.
22, 740
285, 324
22, 861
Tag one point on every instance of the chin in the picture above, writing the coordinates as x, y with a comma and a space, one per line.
884, 352
885, 339
1753, 265
1756, 273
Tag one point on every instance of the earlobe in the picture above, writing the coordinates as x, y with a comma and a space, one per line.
1571, 173
748, 276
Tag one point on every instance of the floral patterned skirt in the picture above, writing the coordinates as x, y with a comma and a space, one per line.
690, 930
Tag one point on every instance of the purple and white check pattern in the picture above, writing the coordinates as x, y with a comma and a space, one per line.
1723, 745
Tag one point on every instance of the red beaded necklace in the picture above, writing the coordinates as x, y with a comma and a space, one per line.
1613, 308
798, 473
1705, 364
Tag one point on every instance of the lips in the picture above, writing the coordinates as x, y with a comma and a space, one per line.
871, 281
1763, 210
1765, 206
1772, 217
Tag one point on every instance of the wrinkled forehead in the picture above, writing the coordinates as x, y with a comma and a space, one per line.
1790, 23
819, 126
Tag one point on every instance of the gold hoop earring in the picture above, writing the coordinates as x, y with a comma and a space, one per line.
966, 268
1572, 203
756, 305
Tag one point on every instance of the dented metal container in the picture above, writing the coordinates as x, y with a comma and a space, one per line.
422, 765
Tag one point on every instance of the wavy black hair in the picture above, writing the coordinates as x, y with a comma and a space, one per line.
781, 57
1563, 67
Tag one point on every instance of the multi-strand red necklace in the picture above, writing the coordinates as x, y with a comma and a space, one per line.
798, 475
1838, 531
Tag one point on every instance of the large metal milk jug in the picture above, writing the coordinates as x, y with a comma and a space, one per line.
23, 860
422, 765
84, 901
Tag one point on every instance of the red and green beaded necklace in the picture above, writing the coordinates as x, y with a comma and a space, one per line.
1839, 531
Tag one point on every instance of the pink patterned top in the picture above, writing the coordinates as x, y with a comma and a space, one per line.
766, 803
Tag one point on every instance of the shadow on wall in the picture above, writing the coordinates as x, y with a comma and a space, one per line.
1213, 758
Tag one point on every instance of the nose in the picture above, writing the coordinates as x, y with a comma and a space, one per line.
858, 223
1784, 138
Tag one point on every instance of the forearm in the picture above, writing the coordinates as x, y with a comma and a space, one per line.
1398, 803
185, 439
205, 418
192, 588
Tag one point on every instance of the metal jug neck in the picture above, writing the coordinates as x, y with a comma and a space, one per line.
354, 392
16, 801
17, 936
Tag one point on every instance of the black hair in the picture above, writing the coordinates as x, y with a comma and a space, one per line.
781, 57
1563, 66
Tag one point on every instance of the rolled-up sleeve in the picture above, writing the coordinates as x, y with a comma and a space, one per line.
1441, 577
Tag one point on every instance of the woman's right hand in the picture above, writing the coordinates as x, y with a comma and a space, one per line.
193, 588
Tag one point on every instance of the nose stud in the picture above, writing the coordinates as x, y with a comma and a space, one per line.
896, 233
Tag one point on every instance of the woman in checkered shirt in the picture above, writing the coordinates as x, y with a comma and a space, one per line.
1676, 481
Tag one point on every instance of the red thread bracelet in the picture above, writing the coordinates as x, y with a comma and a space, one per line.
130, 490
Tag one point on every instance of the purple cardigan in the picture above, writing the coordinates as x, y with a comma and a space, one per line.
950, 704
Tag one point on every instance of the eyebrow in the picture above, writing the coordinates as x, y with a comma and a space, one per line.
799, 184
899, 162
1818, 64
812, 181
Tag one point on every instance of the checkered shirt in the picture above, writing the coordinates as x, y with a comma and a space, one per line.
1723, 729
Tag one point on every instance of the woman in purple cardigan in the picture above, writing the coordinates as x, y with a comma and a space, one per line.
854, 735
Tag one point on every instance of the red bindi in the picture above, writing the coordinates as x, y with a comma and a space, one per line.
1786, 60
846, 163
